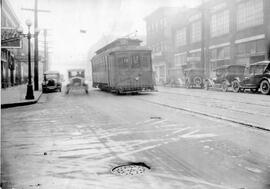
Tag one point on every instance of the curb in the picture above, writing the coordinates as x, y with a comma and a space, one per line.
11, 105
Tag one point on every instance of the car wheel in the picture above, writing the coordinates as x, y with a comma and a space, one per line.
265, 87
224, 86
236, 86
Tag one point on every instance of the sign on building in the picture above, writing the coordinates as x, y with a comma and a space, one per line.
10, 38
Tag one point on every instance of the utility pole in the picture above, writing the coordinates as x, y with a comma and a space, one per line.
36, 79
203, 36
45, 65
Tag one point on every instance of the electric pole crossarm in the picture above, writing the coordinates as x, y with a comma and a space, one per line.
39, 10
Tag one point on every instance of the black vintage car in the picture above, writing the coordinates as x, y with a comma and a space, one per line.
257, 79
225, 75
76, 80
51, 82
194, 77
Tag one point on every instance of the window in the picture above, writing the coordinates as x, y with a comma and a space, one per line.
227, 53
123, 62
249, 13
195, 54
220, 23
213, 54
145, 60
135, 61
251, 48
180, 59
180, 37
196, 32
220, 53
260, 46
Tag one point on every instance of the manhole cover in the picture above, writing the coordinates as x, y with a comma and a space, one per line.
130, 169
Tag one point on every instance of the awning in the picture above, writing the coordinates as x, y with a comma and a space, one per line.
10, 38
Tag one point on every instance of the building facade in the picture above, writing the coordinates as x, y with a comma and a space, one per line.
159, 38
8, 62
230, 32
14, 58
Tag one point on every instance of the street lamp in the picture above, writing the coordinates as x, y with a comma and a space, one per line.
29, 92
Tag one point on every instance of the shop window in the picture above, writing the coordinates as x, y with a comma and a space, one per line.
213, 54
251, 47
180, 59
226, 52
241, 49
260, 46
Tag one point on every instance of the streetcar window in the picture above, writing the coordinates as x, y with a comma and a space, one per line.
135, 61
123, 62
145, 61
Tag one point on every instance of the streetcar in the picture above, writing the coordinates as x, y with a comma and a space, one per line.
76, 79
123, 66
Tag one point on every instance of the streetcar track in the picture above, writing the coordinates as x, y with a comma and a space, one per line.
197, 96
208, 115
223, 107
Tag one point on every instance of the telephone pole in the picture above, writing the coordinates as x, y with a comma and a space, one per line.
36, 74
45, 65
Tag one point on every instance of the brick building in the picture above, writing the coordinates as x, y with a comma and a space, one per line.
159, 38
230, 32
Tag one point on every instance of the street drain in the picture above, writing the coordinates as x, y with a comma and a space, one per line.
131, 169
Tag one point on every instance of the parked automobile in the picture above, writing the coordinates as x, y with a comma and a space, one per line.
257, 79
224, 76
51, 82
194, 77
76, 79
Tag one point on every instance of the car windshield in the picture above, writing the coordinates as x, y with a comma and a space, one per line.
52, 76
76, 73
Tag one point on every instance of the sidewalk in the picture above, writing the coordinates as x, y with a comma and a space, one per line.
15, 96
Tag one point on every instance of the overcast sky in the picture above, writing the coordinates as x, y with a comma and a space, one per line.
98, 17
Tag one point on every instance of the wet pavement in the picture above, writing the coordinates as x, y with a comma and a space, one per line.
75, 140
